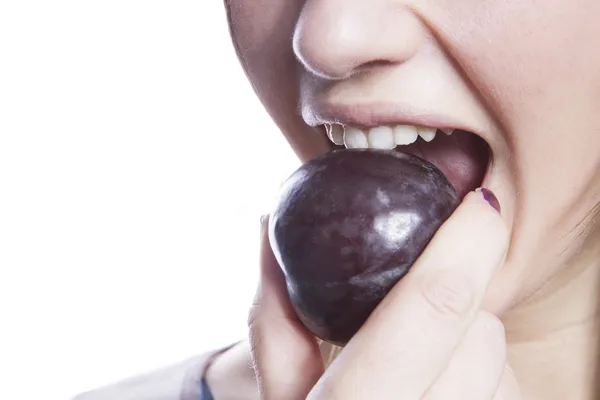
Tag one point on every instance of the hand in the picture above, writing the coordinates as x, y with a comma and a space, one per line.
428, 339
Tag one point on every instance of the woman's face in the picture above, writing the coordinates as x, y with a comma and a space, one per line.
524, 76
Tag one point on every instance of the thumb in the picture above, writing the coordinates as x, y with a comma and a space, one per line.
286, 357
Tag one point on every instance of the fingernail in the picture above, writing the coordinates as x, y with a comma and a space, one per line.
491, 198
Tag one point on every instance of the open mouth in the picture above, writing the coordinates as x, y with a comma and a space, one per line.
462, 156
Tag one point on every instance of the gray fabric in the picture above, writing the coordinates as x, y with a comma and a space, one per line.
177, 382
205, 393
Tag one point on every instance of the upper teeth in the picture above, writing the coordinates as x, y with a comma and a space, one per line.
335, 133
380, 137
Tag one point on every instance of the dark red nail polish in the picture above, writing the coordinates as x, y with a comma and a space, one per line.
491, 198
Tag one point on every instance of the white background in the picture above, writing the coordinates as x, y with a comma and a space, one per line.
135, 162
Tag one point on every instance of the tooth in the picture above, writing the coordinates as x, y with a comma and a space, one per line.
405, 134
381, 137
335, 132
426, 133
355, 138
447, 131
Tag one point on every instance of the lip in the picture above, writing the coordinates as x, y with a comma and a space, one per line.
367, 116
372, 115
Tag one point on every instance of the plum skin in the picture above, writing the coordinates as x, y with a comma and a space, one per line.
348, 226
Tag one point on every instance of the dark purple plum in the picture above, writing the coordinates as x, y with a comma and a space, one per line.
348, 226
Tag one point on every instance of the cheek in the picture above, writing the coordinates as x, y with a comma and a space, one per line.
528, 57
535, 63
262, 33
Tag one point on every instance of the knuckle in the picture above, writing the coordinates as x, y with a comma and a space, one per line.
492, 327
489, 331
492, 323
449, 294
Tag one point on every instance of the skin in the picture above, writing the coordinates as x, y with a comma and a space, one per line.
525, 76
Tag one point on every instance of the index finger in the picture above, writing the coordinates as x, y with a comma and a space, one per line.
286, 357
408, 340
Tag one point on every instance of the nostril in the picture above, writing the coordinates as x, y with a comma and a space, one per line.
376, 63
373, 65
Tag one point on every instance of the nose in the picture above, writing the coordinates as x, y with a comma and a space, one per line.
335, 39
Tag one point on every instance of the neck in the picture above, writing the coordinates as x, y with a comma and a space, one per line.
553, 339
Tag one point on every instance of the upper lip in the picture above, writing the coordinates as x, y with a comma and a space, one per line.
373, 115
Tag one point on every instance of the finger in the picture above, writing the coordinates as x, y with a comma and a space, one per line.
286, 357
476, 368
418, 325
509, 386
